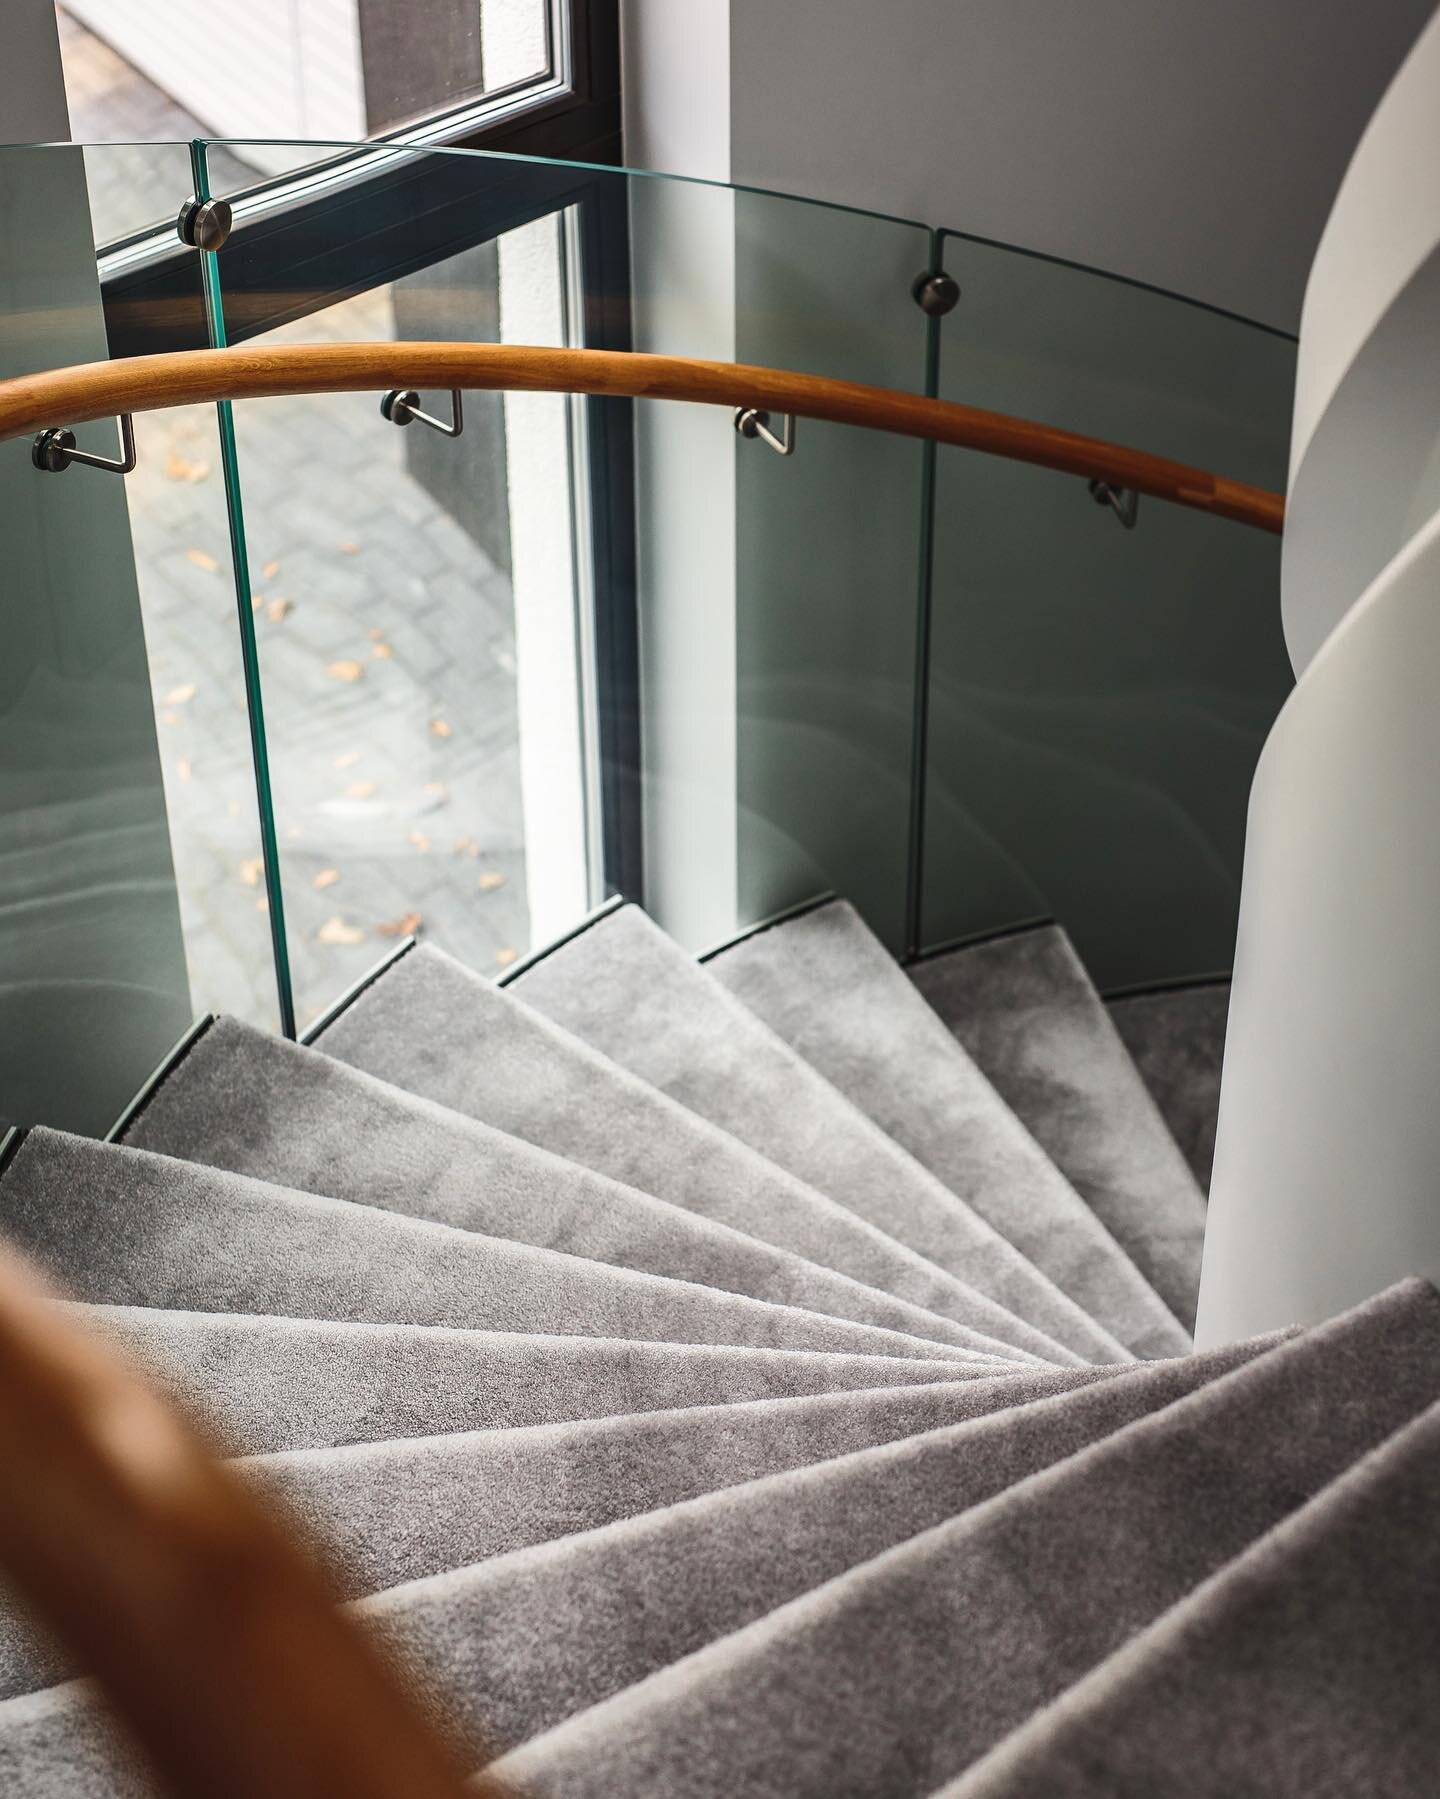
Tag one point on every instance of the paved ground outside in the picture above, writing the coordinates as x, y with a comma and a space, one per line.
387, 651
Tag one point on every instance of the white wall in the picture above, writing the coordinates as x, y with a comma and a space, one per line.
683, 273
1194, 146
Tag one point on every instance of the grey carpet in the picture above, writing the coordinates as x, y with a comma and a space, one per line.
631, 992
388, 1513
893, 1678
433, 1027
122, 1226
269, 1383
1308, 1668
249, 1102
518, 1644
1023, 1006
1177, 1041
505, 1648
827, 985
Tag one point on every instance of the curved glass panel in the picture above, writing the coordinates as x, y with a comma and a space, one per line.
93, 968
1098, 696
588, 645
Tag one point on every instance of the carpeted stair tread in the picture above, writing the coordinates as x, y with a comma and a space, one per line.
828, 986
1024, 1008
1177, 1041
518, 1644
506, 1648
1309, 1665
274, 1383
896, 1676
123, 1226
628, 990
389, 1513
435, 1028
251, 1103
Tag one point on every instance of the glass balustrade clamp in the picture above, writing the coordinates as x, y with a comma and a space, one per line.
935, 292
1124, 502
750, 421
402, 406
54, 450
204, 224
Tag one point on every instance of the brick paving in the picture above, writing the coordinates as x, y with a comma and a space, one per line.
387, 657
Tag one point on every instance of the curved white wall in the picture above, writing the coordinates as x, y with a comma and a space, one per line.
1327, 1163
1364, 466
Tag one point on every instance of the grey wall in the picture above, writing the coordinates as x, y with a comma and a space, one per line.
1196, 147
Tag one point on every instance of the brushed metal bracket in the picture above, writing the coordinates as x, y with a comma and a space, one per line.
750, 421
53, 451
1124, 502
402, 407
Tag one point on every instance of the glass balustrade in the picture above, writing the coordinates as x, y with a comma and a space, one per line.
1097, 695
388, 681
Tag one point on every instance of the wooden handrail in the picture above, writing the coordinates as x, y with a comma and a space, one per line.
214, 1636
95, 390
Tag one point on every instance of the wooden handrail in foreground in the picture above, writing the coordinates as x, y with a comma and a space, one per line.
213, 1635
94, 390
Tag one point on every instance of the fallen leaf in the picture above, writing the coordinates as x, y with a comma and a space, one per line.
490, 881
270, 570
419, 840
262, 904
202, 559
462, 844
375, 633
439, 728
349, 549
361, 790
169, 718
251, 869
278, 609
382, 652
257, 600
400, 927
436, 789
346, 670
327, 877
181, 468
475, 850
335, 930
182, 768
506, 956
292, 832
348, 759
177, 696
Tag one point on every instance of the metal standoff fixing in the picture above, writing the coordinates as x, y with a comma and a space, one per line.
53, 451
204, 224
750, 421
1124, 502
935, 292
402, 407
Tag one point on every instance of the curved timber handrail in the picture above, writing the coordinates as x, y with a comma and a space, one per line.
211, 1632
95, 390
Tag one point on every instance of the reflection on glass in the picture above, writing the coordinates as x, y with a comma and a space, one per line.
92, 973
1098, 696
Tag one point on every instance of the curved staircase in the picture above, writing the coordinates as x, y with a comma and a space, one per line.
763, 1375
